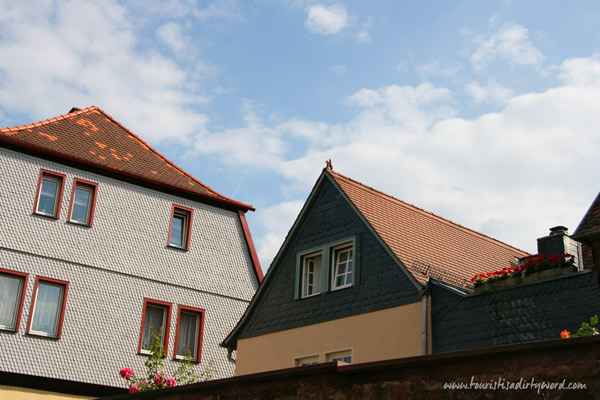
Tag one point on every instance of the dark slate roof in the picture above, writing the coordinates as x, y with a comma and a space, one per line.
380, 281
591, 219
414, 234
529, 312
92, 137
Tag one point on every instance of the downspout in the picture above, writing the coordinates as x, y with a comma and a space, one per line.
229, 353
424, 323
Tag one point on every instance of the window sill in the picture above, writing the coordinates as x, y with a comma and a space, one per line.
45, 215
180, 359
341, 287
6, 330
41, 336
79, 224
177, 247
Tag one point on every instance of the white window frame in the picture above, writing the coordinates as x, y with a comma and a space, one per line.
340, 356
307, 360
335, 266
307, 261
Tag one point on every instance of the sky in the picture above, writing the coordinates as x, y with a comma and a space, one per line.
486, 113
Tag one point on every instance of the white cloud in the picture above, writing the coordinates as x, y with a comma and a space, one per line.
435, 69
80, 53
326, 20
339, 70
511, 44
492, 93
581, 71
171, 35
363, 35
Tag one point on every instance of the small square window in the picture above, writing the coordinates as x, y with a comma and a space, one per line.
156, 321
311, 274
309, 360
12, 295
49, 194
48, 307
342, 267
181, 227
343, 356
188, 336
83, 202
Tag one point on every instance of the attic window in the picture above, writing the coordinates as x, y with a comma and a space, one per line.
49, 194
311, 274
181, 227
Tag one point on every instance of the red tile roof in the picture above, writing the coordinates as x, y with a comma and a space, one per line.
414, 234
92, 137
591, 220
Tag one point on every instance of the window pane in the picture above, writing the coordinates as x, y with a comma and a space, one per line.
81, 203
48, 194
311, 279
47, 308
153, 324
187, 340
177, 231
10, 296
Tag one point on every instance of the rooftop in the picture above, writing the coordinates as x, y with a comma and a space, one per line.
92, 137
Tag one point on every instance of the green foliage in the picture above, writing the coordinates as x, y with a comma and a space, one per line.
588, 329
155, 378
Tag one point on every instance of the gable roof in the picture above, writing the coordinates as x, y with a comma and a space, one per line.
420, 239
591, 219
92, 137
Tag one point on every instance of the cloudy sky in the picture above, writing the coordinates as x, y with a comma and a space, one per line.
486, 113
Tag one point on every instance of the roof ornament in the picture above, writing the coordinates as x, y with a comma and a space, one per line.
328, 165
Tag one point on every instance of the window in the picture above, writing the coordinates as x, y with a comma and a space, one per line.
343, 356
49, 194
156, 321
48, 307
309, 360
181, 227
188, 335
342, 267
12, 295
311, 274
83, 202
325, 268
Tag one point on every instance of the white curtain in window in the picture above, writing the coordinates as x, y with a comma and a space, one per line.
153, 324
10, 294
188, 335
47, 308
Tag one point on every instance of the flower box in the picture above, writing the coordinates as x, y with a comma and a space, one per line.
517, 280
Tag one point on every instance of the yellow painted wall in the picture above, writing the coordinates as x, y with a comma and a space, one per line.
18, 393
380, 335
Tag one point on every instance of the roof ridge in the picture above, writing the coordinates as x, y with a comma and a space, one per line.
425, 212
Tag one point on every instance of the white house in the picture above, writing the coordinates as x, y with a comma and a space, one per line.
101, 239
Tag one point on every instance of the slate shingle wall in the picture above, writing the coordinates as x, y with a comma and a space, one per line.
535, 311
380, 282
111, 267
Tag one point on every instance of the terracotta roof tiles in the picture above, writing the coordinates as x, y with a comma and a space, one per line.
416, 235
92, 137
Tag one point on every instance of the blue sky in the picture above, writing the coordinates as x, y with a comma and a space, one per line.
486, 113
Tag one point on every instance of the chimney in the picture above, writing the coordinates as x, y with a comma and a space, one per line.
559, 242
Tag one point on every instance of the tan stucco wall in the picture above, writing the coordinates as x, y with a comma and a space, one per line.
380, 335
17, 393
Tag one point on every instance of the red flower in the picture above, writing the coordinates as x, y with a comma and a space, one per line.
565, 334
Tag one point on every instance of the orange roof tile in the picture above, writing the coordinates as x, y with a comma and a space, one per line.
92, 137
414, 234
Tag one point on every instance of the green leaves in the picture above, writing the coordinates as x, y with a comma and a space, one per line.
588, 329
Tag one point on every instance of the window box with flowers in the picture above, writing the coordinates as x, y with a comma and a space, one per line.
533, 269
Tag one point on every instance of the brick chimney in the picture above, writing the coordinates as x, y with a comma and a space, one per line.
559, 242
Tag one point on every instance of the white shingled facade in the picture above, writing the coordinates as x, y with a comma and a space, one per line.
111, 267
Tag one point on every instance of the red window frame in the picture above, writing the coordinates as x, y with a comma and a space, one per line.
62, 178
201, 312
94, 185
187, 228
159, 303
62, 308
25, 277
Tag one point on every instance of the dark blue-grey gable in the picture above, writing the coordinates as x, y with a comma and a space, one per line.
380, 282
529, 312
